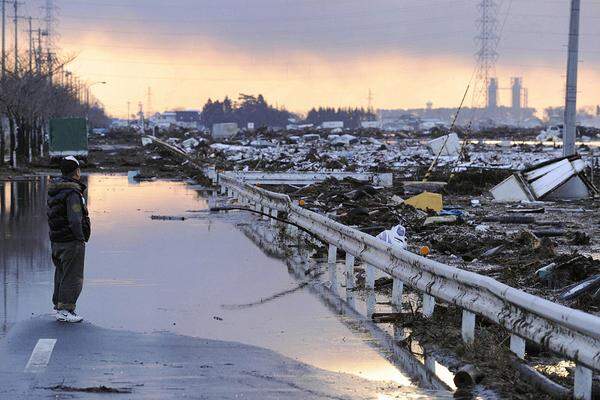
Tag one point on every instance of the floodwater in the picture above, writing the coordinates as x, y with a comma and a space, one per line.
184, 277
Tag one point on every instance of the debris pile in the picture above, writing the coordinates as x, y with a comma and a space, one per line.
507, 242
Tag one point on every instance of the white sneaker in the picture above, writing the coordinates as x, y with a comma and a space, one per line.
68, 316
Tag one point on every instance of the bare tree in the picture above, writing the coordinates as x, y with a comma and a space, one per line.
29, 98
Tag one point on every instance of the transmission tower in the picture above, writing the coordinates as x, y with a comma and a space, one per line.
50, 24
487, 41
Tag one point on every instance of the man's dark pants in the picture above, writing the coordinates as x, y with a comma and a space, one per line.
68, 258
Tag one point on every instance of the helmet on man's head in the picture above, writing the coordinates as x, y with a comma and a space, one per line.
68, 165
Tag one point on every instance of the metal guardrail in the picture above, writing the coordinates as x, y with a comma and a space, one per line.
571, 333
307, 178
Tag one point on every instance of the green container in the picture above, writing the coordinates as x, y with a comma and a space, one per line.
68, 137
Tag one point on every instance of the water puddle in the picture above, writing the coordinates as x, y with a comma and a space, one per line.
201, 277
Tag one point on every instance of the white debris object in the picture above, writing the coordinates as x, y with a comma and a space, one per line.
343, 140
146, 140
552, 133
190, 144
225, 130
512, 189
395, 236
448, 145
561, 178
482, 228
397, 199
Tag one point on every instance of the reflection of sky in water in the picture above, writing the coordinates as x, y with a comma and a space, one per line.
146, 276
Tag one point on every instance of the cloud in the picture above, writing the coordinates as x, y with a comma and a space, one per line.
306, 52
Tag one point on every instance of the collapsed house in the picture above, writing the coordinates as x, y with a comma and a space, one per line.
558, 179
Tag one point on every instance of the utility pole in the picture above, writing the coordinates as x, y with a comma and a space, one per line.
50, 65
128, 112
38, 55
16, 20
3, 38
570, 128
16, 4
30, 45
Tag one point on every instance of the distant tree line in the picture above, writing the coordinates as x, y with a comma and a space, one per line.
351, 117
29, 98
247, 109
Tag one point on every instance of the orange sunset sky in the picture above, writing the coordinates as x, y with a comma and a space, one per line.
309, 53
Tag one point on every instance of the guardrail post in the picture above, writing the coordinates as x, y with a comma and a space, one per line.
223, 189
582, 389
229, 191
371, 301
428, 305
349, 272
468, 326
370, 277
332, 266
292, 230
275, 214
517, 345
397, 291
332, 254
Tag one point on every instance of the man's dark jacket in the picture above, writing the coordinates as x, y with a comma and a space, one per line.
68, 216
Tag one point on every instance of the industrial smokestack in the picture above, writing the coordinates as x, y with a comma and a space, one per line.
517, 88
492, 96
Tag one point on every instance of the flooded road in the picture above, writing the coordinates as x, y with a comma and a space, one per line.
180, 277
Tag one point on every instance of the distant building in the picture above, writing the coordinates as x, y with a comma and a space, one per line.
183, 119
370, 124
188, 116
332, 124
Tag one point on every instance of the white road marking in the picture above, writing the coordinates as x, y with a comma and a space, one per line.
40, 357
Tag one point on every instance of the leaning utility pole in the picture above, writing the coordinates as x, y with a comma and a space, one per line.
570, 128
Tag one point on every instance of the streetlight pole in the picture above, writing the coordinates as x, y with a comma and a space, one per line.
87, 95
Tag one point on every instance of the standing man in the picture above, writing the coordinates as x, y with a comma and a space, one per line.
69, 231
